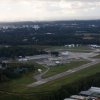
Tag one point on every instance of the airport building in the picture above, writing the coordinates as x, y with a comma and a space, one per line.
91, 94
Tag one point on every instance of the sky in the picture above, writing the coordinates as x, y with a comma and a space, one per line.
48, 10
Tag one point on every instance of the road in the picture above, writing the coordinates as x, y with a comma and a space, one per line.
66, 73
39, 76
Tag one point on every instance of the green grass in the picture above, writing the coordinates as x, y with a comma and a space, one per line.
98, 56
85, 49
80, 48
19, 84
64, 67
50, 86
4, 96
55, 85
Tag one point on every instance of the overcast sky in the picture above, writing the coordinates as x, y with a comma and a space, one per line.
39, 10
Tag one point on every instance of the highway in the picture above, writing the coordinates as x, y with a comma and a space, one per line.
66, 73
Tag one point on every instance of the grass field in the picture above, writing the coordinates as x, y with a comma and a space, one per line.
98, 56
85, 49
19, 85
81, 48
54, 85
63, 67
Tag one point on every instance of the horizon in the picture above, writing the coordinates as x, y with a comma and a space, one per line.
49, 20
48, 10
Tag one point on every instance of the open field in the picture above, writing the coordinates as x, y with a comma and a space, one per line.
54, 85
98, 56
19, 85
63, 67
63, 47
74, 49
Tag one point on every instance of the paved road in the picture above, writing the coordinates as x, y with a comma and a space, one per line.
42, 81
39, 76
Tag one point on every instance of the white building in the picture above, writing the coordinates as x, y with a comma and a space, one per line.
91, 91
57, 62
23, 59
78, 97
70, 45
95, 46
65, 53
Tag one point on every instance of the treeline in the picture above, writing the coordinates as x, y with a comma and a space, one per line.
16, 51
15, 70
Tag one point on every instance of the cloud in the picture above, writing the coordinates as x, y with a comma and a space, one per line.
15, 10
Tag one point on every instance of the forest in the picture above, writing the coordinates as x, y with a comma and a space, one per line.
50, 33
17, 51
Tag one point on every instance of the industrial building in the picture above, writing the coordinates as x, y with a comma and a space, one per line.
91, 94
